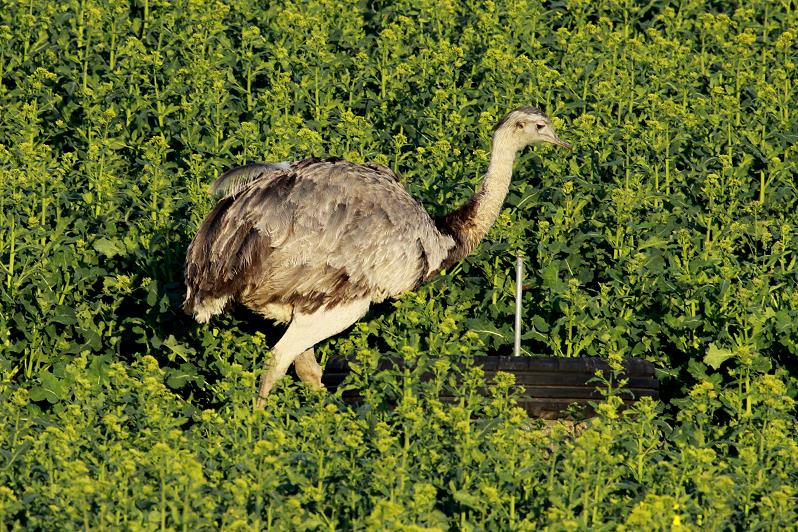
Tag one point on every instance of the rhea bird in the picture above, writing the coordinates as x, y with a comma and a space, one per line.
314, 243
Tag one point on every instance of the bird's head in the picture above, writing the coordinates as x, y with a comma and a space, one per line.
525, 126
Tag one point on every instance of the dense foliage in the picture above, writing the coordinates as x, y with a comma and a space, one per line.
670, 233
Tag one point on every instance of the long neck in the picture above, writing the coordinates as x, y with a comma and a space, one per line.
469, 224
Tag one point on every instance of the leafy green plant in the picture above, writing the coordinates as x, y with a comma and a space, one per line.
668, 233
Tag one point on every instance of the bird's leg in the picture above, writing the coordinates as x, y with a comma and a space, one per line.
305, 331
308, 370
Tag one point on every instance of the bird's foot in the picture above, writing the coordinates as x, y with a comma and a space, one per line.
267, 380
308, 370
260, 403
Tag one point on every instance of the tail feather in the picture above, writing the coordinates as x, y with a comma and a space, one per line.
225, 255
202, 309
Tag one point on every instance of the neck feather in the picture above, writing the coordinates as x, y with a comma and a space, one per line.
469, 224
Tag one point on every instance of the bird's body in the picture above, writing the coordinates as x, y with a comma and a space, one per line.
313, 243
310, 234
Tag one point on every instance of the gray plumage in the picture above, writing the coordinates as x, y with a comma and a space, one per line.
313, 243
310, 234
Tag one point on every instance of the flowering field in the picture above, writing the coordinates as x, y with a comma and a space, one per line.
669, 233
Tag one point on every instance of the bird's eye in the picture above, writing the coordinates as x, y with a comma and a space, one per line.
541, 126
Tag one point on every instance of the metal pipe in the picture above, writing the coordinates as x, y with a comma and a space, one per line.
519, 279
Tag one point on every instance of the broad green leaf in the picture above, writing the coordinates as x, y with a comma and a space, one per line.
51, 389
716, 356
109, 248
177, 349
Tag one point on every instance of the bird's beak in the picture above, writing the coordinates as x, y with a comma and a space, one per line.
559, 142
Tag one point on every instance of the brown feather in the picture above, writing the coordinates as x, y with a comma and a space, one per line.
314, 233
460, 225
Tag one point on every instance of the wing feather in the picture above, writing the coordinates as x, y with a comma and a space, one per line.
316, 232
236, 179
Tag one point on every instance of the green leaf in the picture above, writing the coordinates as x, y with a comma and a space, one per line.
109, 248
551, 277
539, 323
51, 389
182, 376
152, 293
468, 500
64, 315
716, 356
177, 349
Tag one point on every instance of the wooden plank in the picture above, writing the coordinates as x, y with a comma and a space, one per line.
525, 364
580, 393
575, 393
550, 384
532, 379
574, 379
